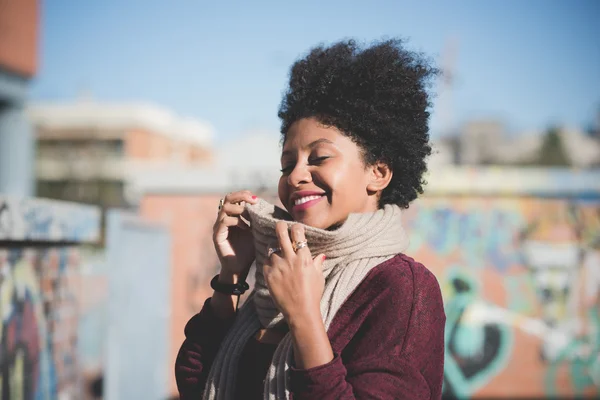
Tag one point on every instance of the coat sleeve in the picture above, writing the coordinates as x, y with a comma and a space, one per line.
396, 353
203, 335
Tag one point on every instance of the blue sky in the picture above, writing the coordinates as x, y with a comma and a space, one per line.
530, 63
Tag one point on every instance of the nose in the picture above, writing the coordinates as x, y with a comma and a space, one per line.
299, 175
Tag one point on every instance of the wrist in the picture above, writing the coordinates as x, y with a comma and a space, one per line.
228, 277
309, 319
227, 291
311, 343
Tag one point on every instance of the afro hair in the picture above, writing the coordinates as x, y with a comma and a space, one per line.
378, 97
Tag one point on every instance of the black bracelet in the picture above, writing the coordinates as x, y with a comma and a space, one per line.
232, 289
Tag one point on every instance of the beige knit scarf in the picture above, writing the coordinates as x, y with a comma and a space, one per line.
361, 243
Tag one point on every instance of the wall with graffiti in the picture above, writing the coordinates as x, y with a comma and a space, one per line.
40, 294
521, 285
520, 278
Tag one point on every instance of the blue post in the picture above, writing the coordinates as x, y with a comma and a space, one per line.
16, 151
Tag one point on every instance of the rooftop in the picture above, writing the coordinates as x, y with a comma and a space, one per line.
90, 114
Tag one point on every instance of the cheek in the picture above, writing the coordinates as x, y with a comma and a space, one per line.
282, 190
349, 183
343, 179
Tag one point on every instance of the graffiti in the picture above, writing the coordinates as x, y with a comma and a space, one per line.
22, 311
560, 251
581, 356
6, 220
39, 326
521, 285
476, 350
45, 220
474, 238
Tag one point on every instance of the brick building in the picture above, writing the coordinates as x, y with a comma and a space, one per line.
89, 151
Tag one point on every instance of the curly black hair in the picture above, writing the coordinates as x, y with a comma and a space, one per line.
378, 97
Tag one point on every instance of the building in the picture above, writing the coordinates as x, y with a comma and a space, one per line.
41, 295
486, 142
479, 140
88, 151
252, 159
18, 64
583, 150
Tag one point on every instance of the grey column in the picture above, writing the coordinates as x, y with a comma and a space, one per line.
17, 147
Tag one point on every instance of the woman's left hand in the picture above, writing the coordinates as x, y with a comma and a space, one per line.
294, 278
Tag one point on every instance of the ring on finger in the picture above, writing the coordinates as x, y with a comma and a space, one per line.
221, 203
299, 245
273, 250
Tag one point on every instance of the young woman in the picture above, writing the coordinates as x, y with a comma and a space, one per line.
337, 312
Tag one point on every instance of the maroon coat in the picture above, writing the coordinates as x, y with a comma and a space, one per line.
387, 340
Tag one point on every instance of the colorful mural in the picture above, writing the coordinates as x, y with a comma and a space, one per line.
521, 285
40, 296
38, 334
33, 219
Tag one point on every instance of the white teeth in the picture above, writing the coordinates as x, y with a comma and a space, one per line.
303, 200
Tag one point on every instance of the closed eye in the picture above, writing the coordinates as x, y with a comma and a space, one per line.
312, 161
318, 160
287, 170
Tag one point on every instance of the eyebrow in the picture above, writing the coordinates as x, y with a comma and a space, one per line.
310, 145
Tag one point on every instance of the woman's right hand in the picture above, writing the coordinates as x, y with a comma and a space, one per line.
232, 236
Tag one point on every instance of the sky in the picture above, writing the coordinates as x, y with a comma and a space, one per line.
528, 63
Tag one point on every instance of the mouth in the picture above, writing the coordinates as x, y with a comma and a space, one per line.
304, 200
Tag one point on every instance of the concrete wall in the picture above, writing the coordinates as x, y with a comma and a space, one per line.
40, 296
138, 342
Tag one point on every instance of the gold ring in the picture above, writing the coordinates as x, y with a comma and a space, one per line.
273, 250
299, 245
221, 202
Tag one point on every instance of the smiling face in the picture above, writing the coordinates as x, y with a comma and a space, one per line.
324, 177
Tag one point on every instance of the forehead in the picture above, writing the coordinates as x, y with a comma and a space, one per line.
304, 132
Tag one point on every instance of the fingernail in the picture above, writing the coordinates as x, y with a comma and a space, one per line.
324, 257
253, 197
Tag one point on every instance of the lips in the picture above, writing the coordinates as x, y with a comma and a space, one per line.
305, 199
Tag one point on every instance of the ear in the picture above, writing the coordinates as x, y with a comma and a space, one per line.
380, 176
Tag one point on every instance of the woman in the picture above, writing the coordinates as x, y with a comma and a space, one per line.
337, 312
